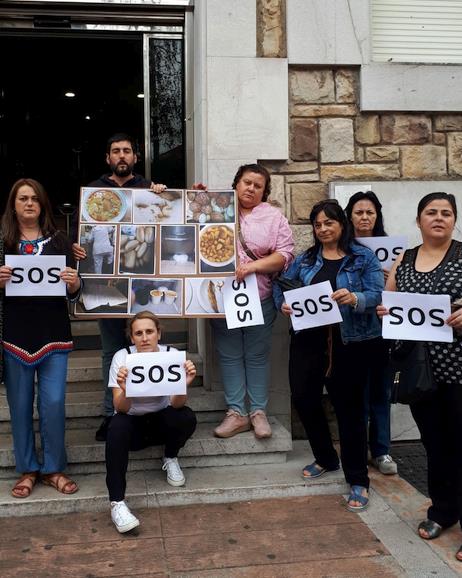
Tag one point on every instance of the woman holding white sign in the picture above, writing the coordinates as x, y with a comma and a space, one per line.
334, 355
265, 247
142, 422
36, 340
436, 267
364, 211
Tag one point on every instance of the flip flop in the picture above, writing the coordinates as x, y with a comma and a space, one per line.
32, 476
432, 528
356, 496
56, 481
314, 471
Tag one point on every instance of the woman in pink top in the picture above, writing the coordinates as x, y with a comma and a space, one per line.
265, 247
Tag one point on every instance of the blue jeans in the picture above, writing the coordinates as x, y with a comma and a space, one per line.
377, 398
244, 360
112, 339
51, 392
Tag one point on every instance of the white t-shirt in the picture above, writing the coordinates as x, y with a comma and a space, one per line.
140, 405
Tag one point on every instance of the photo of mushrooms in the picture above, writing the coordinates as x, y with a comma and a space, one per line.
150, 207
137, 250
177, 250
210, 207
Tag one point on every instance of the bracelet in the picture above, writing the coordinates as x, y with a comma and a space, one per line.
355, 304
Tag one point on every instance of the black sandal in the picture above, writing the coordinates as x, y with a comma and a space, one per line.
432, 528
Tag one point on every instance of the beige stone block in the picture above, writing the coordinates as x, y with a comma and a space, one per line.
439, 138
455, 153
310, 177
382, 154
367, 129
303, 197
357, 172
317, 110
291, 166
278, 192
271, 29
406, 128
336, 140
311, 86
421, 162
304, 141
448, 122
359, 154
303, 237
346, 85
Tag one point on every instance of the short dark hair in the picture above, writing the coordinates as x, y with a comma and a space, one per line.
379, 229
334, 211
142, 315
449, 197
254, 168
120, 136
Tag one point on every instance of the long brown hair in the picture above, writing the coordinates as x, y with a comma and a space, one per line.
10, 225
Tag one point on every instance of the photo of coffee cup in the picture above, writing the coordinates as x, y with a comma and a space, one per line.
156, 296
169, 297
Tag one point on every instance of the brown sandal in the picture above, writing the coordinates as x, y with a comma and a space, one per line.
24, 490
60, 482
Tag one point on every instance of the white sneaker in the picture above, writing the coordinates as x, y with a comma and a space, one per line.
175, 476
123, 519
385, 464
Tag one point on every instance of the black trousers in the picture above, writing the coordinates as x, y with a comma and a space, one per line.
439, 420
170, 427
307, 369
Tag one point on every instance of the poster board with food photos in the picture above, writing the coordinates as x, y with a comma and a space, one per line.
167, 252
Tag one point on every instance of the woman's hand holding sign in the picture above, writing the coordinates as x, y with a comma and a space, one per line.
71, 278
5, 275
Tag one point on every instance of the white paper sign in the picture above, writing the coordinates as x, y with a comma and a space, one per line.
155, 374
35, 275
242, 302
312, 306
416, 317
385, 248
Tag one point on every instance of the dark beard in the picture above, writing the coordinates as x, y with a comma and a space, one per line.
122, 170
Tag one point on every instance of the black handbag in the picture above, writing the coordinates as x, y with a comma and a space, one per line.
412, 377
287, 284
411, 372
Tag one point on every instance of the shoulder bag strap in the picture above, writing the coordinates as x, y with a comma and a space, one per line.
248, 251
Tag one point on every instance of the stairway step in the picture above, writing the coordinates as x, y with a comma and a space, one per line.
149, 489
85, 400
203, 448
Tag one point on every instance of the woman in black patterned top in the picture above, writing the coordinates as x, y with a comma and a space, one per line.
438, 418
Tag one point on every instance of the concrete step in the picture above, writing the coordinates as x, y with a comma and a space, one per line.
85, 455
148, 488
84, 406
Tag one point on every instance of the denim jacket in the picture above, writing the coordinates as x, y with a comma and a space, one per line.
360, 273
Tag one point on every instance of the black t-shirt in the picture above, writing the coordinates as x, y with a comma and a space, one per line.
328, 272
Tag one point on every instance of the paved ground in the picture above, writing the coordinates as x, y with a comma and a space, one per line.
412, 464
298, 537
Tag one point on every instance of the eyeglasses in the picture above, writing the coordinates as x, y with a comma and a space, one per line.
326, 202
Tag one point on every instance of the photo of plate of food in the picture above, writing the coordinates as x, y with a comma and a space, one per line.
106, 205
150, 207
204, 296
210, 207
217, 247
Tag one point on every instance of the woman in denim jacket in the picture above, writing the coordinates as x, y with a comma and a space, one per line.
335, 355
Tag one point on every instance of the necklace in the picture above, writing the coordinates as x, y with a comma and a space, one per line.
29, 246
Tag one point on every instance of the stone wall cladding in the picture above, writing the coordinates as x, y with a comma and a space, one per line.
271, 28
332, 140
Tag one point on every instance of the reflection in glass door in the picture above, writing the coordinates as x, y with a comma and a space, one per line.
164, 109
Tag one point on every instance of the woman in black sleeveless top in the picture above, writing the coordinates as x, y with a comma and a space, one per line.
439, 418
